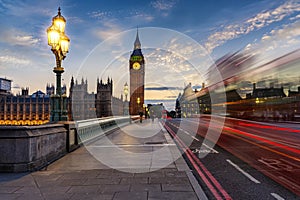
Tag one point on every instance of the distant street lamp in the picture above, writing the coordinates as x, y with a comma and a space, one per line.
138, 101
126, 91
145, 110
126, 103
59, 43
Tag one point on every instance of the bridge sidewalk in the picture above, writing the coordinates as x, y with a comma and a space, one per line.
80, 174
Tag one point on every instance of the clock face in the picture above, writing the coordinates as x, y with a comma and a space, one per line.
136, 66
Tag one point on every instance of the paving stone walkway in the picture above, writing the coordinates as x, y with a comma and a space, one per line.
80, 174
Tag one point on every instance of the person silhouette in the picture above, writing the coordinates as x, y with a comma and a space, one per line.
141, 116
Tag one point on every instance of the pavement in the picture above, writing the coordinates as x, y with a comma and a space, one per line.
138, 161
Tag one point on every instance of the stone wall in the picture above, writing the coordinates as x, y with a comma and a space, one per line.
29, 148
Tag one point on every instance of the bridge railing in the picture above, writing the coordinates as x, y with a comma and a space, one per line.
30, 148
90, 129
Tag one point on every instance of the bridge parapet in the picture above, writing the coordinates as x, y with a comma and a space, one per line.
30, 148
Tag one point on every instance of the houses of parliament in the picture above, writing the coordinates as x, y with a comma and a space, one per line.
34, 109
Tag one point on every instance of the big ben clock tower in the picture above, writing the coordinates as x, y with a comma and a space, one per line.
137, 78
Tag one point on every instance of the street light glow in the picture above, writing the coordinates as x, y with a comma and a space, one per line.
59, 21
59, 43
64, 44
57, 38
53, 37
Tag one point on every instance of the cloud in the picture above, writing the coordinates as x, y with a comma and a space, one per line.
20, 8
100, 14
25, 40
110, 21
6, 60
162, 5
108, 29
259, 21
287, 37
133, 15
16, 37
295, 18
171, 97
75, 20
137, 16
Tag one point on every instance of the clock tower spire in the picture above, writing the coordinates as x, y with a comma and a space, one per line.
137, 43
137, 78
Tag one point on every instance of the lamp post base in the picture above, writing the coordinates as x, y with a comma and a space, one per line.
59, 110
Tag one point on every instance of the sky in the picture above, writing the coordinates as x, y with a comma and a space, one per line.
172, 33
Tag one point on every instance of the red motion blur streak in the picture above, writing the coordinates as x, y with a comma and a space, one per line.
294, 150
258, 138
192, 158
269, 127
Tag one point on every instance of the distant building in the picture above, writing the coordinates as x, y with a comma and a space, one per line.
106, 103
266, 92
294, 93
204, 100
25, 91
192, 102
25, 109
294, 97
104, 98
50, 89
137, 78
5, 86
34, 109
37, 94
81, 103
117, 106
178, 106
187, 103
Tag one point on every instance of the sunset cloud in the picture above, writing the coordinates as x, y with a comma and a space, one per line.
16, 37
8, 61
259, 21
163, 5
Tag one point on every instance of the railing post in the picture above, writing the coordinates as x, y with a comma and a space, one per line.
72, 136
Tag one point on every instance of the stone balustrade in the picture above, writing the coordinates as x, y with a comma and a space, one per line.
30, 148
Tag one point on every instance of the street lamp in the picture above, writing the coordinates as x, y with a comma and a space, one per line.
59, 43
145, 109
138, 101
126, 91
126, 103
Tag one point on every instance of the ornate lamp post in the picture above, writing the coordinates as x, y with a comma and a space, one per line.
59, 43
126, 91
126, 103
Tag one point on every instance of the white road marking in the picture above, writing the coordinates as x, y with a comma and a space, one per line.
212, 149
243, 172
276, 196
195, 138
187, 132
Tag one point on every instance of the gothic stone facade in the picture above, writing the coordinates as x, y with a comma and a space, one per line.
106, 103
